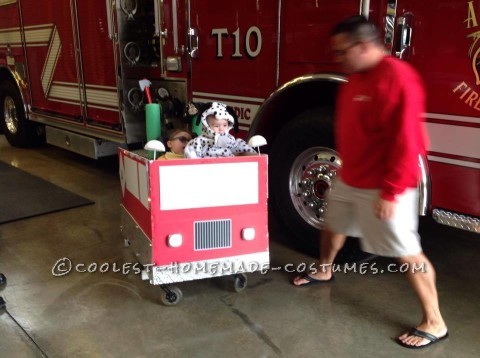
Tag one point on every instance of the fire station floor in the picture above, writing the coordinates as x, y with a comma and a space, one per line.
115, 315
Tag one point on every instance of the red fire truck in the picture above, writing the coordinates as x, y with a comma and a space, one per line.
69, 71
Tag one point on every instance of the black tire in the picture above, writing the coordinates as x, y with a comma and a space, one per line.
309, 135
171, 296
240, 282
19, 131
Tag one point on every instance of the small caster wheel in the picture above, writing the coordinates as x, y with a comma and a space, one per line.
171, 296
240, 282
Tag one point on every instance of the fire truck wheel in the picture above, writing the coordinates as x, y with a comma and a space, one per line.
171, 296
240, 282
17, 129
303, 164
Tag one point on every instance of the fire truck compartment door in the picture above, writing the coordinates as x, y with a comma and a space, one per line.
50, 47
99, 68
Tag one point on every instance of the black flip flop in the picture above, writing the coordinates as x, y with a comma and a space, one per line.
312, 280
418, 333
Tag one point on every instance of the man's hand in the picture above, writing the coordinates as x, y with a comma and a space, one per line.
384, 209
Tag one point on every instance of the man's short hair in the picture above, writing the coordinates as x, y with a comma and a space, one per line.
358, 29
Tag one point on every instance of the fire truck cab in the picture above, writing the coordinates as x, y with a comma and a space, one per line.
189, 219
69, 70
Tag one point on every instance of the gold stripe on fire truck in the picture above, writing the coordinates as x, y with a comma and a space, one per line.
103, 97
461, 163
243, 123
450, 117
226, 96
7, 2
108, 98
66, 91
38, 35
10, 37
246, 109
54, 50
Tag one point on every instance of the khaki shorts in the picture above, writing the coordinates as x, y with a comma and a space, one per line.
351, 212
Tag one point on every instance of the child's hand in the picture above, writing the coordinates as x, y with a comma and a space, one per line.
221, 141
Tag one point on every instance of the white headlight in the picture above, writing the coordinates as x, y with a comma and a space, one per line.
175, 240
248, 233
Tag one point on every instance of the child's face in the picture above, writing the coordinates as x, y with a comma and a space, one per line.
219, 126
178, 142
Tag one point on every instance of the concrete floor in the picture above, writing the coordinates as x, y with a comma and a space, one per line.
115, 315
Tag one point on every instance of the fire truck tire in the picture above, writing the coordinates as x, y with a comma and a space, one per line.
308, 133
17, 129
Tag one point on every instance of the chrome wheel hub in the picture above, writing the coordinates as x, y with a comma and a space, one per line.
310, 180
10, 115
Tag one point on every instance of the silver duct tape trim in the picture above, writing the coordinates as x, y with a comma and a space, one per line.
179, 272
456, 220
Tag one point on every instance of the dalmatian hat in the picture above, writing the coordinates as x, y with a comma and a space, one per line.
219, 111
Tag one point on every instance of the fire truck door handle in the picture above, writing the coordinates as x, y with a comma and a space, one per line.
404, 38
110, 19
157, 20
193, 42
158, 28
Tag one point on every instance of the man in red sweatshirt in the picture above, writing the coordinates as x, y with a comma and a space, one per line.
379, 135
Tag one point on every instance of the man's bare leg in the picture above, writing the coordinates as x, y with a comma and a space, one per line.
423, 283
330, 245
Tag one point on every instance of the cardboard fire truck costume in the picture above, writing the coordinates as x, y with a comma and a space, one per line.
185, 221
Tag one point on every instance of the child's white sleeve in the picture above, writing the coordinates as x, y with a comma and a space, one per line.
190, 152
242, 147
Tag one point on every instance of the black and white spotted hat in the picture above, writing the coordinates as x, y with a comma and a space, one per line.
219, 111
